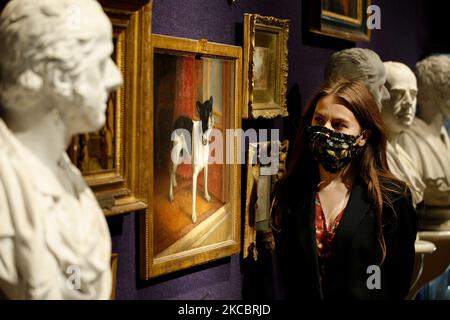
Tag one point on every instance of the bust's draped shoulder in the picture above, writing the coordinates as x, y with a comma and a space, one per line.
46, 233
403, 168
430, 154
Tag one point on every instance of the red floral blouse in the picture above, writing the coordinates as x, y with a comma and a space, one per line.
324, 237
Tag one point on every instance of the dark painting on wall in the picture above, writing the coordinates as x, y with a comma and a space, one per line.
343, 8
344, 19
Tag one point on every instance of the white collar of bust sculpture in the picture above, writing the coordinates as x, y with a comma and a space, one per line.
399, 110
57, 85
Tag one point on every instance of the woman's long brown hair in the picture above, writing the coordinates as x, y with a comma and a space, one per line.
370, 166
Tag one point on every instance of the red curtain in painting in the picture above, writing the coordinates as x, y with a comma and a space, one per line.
186, 88
185, 98
346, 6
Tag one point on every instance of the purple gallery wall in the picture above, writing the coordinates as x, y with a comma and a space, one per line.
400, 38
404, 27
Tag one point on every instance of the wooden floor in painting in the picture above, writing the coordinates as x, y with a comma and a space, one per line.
172, 220
212, 232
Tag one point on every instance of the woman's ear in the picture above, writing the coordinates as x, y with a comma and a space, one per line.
363, 138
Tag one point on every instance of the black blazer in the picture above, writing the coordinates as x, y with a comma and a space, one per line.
355, 248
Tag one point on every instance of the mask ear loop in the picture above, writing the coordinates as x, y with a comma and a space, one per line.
360, 135
356, 142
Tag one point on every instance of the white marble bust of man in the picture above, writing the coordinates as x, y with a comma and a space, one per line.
427, 141
55, 77
398, 113
359, 64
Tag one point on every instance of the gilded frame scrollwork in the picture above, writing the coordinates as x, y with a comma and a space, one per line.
265, 66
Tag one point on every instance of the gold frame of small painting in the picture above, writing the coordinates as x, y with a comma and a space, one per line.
265, 68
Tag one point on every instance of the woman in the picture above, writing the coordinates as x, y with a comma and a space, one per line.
344, 225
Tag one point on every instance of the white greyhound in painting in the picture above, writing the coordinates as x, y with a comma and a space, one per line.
193, 137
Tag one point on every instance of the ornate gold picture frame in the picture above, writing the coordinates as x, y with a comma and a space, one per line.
261, 179
115, 159
265, 66
192, 219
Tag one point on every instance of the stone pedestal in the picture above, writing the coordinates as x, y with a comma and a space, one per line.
432, 259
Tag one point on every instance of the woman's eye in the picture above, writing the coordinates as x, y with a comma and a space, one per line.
318, 121
339, 125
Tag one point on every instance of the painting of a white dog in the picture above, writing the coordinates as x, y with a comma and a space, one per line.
192, 136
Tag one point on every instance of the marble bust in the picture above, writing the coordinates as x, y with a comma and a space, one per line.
398, 113
366, 66
56, 74
427, 141
359, 64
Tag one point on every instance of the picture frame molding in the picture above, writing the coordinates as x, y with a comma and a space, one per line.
124, 188
318, 14
114, 267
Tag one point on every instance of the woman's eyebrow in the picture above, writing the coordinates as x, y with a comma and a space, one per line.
340, 119
333, 118
318, 114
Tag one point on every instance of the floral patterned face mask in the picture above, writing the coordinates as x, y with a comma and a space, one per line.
333, 150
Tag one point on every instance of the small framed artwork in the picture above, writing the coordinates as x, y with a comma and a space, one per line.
195, 187
265, 66
114, 160
344, 19
266, 165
